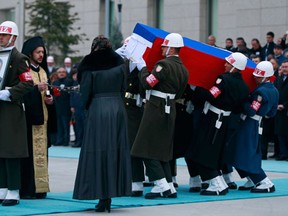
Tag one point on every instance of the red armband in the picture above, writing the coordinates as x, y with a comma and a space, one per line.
152, 80
255, 105
25, 76
215, 91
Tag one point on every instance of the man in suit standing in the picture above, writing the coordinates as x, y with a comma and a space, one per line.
281, 119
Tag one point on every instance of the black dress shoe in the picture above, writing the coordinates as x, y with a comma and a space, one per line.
194, 189
266, 190
232, 185
214, 193
164, 194
10, 202
137, 193
175, 184
173, 195
243, 188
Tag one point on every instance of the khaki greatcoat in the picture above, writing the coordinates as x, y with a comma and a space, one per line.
13, 135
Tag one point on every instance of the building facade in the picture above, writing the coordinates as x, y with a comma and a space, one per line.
195, 19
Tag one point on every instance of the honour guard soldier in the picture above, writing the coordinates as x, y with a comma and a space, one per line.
226, 95
134, 96
244, 153
154, 140
13, 144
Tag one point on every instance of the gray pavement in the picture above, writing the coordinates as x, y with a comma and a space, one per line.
62, 173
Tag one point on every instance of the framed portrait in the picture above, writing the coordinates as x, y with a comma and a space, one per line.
4, 66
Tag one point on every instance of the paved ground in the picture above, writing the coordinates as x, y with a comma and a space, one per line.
62, 174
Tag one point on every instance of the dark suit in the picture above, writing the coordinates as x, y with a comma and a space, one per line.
281, 118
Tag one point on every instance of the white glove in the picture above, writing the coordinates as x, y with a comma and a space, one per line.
141, 64
192, 87
5, 95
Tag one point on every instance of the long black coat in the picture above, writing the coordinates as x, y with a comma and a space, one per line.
184, 124
13, 142
155, 135
234, 91
134, 112
104, 168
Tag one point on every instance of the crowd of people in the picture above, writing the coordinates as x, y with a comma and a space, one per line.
131, 122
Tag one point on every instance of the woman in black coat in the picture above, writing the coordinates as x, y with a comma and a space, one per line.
104, 169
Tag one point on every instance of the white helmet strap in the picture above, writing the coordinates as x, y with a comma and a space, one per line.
10, 40
231, 69
263, 80
167, 52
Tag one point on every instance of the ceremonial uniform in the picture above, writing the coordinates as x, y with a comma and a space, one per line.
13, 144
184, 123
228, 93
155, 135
225, 97
134, 105
184, 128
154, 140
244, 150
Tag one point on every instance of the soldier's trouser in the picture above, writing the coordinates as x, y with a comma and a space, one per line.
196, 169
173, 167
156, 170
226, 168
137, 169
10, 176
255, 177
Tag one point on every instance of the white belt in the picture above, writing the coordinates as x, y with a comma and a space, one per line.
159, 94
214, 109
218, 111
255, 117
166, 96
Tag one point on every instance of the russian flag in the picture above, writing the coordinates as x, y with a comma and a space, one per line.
203, 61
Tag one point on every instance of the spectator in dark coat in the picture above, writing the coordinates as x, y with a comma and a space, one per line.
62, 104
77, 109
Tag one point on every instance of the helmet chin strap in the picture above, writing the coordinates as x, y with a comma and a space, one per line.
264, 78
167, 52
10, 40
231, 69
